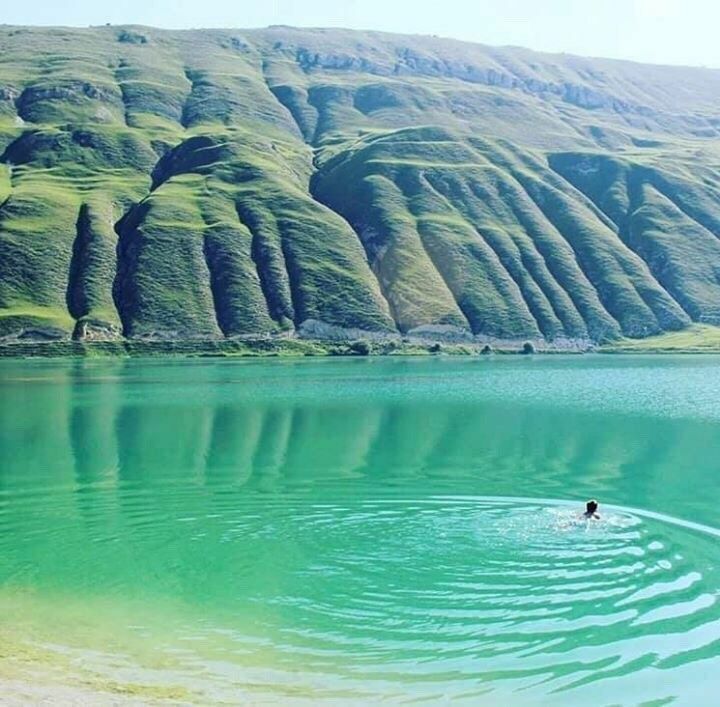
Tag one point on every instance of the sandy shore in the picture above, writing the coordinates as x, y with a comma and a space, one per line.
17, 692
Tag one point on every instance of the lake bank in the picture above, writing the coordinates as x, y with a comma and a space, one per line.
259, 348
699, 338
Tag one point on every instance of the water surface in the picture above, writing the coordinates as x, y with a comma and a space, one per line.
346, 530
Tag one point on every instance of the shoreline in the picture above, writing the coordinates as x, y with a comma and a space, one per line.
697, 339
270, 348
310, 349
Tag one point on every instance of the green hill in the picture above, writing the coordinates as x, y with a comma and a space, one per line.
217, 183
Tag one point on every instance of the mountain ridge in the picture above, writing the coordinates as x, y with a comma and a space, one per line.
364, 31
220, 183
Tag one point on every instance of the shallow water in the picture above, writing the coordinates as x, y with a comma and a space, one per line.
395, 530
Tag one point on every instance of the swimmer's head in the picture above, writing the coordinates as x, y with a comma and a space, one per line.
591, 506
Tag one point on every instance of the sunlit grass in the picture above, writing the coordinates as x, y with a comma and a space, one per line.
220, 183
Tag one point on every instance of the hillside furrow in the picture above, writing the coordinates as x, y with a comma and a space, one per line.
447, 271
621, 279
268, 258
687, 203
92, 270
157, 295
526, 299
216, 261
610, 187
576, 301
592, 278
411, 284
122, 86
455, 279
650, 223
377, 285
187, 111
240, 307
37, 231
510, 243
636, 238
126, 255
516, 287
693, 278
485, 291
636, 235
153, 93
335, 183
294, 100
574, 297
329, 275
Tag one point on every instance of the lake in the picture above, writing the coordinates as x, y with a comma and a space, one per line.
348, 530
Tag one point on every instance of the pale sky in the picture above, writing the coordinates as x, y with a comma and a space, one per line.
658, 31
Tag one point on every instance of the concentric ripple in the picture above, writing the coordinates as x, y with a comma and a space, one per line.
475, 594
353, 532
477, 599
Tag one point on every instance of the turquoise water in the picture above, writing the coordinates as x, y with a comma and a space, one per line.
347, 530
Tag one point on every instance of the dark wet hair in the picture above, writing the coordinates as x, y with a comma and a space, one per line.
591, 506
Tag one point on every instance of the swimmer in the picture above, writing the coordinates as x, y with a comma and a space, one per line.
591, 510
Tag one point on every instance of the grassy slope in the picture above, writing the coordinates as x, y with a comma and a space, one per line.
218, 183
698, 338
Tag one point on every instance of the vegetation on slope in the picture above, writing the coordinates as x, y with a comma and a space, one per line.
209, 184
698, 338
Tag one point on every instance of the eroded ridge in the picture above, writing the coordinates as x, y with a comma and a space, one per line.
216, 183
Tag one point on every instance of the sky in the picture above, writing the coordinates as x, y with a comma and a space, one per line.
657, 31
